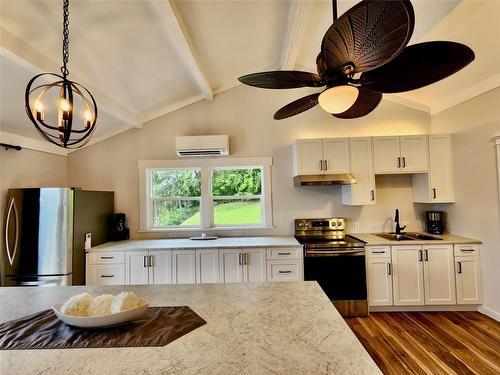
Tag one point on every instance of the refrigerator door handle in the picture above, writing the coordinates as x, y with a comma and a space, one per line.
11, 253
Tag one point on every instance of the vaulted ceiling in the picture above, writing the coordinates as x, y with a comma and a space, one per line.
143, 59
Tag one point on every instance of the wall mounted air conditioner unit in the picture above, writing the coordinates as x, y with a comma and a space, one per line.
202, 145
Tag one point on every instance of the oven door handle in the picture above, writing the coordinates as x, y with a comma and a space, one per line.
331, 253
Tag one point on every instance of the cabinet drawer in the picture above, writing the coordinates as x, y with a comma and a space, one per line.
284, 253
107, 257
467, 250
107, 274
284, 270
378, 251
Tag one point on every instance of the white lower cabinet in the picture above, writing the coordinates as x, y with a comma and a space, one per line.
407, 278
195, 266
242, 265
183, 267
207, 266
413, 275
439, 275
379, 275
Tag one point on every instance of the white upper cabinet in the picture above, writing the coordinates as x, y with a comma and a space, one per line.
439, 275
386, 155
363, 191
321, 156
406, 154
335, 155
437, 186
308, 156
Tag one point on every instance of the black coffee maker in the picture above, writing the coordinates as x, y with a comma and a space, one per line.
119, 231
434, 222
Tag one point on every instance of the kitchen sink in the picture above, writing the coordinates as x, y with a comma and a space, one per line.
395, 237
406, 236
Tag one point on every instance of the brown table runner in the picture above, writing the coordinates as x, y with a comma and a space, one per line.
44, 330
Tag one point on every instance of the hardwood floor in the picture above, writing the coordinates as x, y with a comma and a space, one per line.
430, 342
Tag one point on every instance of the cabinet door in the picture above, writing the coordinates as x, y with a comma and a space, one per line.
386, 153
207, 266
183, 267
231, 265
439, 275
254, 269
469, 281
308, 156
107, 274
414, 154
441, 169
361, 162
137, 268
336, 155
379, 280
160, 270
407, 275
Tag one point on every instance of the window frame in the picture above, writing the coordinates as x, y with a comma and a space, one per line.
146, 167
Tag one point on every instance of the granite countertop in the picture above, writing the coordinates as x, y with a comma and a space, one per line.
446, 239
186, 243
262, 328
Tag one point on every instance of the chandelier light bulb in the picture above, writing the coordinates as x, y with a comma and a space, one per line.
87, 119
338, 99
38, 106
64, 105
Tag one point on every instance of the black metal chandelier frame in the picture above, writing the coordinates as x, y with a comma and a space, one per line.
63, 134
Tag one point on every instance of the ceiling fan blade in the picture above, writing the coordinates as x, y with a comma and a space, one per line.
368, 35
366, 102
419, 65
282, 79
297, 106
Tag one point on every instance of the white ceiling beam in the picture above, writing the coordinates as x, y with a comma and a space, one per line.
174, 28
298, 16
27, 57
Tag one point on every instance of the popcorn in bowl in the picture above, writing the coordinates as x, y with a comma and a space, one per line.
86, 305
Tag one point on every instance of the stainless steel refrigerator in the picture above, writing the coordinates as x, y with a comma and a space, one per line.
44, 234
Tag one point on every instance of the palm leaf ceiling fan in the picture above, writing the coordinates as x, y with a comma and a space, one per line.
370, 38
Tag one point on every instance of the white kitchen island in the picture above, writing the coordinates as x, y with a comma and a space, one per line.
261, 328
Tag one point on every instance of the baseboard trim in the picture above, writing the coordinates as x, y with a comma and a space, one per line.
424, 308
489, 312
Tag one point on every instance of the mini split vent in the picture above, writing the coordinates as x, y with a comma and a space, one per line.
205, 145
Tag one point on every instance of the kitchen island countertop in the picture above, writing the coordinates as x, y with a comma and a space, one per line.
262, 328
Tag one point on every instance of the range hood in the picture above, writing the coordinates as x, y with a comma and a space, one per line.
323, 180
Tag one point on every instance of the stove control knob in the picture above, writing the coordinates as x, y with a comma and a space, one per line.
332, 223
339, 223
301, 224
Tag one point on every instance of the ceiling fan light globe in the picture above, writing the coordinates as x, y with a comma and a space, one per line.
338, 99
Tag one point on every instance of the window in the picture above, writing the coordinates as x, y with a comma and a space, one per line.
205, 193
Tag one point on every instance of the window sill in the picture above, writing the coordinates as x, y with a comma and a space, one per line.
212, 229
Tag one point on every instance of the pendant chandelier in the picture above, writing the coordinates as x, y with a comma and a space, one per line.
71, 102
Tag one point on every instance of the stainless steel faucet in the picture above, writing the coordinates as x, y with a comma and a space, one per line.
398, 227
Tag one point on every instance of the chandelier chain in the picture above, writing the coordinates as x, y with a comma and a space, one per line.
65, 51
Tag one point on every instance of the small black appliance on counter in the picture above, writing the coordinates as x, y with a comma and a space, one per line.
119, 231
434, 222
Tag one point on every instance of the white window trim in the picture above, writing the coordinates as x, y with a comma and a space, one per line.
146, 166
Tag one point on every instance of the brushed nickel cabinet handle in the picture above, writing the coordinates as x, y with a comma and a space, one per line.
389, 270
378, 251
404, 162
372, 194
434, 195
245, 258
399, 162
145, 261
459, 264
284, 253
107, 257
426, 255
285, 271
420, 255
107, 275
240, 259
151, 260
326, 165
467, 250
321, 165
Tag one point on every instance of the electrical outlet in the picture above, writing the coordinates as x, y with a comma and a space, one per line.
355, 226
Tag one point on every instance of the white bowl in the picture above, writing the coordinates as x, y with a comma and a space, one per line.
101, 320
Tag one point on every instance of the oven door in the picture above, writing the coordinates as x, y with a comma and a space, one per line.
341, 273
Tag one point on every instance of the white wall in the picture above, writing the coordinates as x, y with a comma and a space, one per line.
476, 212
27, 168
245, 114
